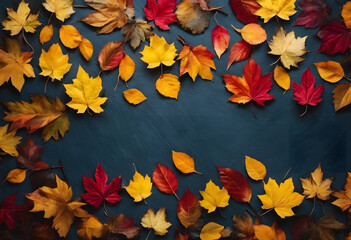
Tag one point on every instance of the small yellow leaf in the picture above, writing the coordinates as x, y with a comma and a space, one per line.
214, 197
253, 33
346, 14
183, 162
9, 141
126, 68
86, 48
157, 222
168, 85
46, 34
211, 231
255, 169
16, 175
280, 8
140, 187
282, 78
70, 36
134, 96
330, 71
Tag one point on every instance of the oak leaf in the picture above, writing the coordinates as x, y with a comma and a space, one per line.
238, 52
330, 71
342, 96
168, 85
281, 77
314, 13
9, 141
335, 38
123, 224
245, 10
343, 200
137, 31
183, 162
46, 34
214, 197
10, 212
220, 40
188, 209
140, 187
16, 175
157, 222
63, 9
161, 12
280, 8
211, 231
90, 228
111, 55
134, 96
255, 169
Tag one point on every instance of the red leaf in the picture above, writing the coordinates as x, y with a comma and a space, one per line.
236, 184
10, 212
30, 155
220, 40
111, 55
179, 236
239, 51
98, 191
300, 226
164, 179
307, 93
188, 209
314, 13
335, 38
162, 12
244, 10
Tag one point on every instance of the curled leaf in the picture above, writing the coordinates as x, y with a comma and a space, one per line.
137, 31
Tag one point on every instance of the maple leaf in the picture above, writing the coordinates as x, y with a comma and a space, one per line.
46, 34
214, 197
29, 155
281, 198
188, 209
344, 196
211, 231
238, 52
63, 9
137, 31
342, 96
140, 187
289, 48
90, 228
54, 64
335, 38
252, 86
244, 10
315, 186
281, 8
220, 39
14, 64
99, 191
157, 222
41, 113
314, 13
243, 227
85, 92
22, 19
161, 12
255, 169
109, 14
123, 224
165, 180
134, 96
183, 162
263, 232
56, 202
9, 141
10, 212
168, 85
159, 52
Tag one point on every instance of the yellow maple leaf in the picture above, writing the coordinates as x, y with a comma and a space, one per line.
62, 8
85, 93
280, 198
56, 202
16, 175
90, 228
14, 64
344, 196
214, 197
168, 85
140, 187
22, 19
315, 185
281, 8
54, 63
157, 222
9, 141
255, 169
289, 48
211, 231
159, 52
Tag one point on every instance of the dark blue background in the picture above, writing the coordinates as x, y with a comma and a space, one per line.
201, 122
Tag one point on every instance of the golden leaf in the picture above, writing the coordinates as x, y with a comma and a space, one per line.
183, 162
168, 85
134, 96
342, 96
126, 68
70, 36
264, 232
16, 175
140, 187
157, 222
330, 71
86, 48
255, 169
281, 8
62, 8
282, 78
346, 14
253, 33
90, 228
343, 200
211, 231
214, 197
46, 34
9, 141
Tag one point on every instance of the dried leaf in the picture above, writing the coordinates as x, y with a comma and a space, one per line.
214, 197
344, 196
46, 34
183, 162
253, 33
86, 48
9, 141
70, 36
123, 224
220, 40
342, 96
264, 232
62, 8
280, 8
137, 31
330, 71
211, 231
238, 52
140, 187
255, 169
111, 55
134, 96
282, 78
16, 175
157, 222
243, 227
161, 12
168, 85
126, 68
188, 209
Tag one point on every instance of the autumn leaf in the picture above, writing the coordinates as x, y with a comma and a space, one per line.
41, 113
157, 222
161, 12
63, 9
10, 212
255, 169
214, 197
56, 202
14, 64
70, 36
134, 96
22, 19
335, 38
123, 224
53, 63
168, 85
342, 96
330, 71
90, 228
136, 31
346, 14
85, 92
252, 86
29, 156
9, 141
343, 200
86, 48
46, 34
264, 232
111, 55
126, 68
220, 39
315, 186
280, 198
16, 175
211, 231
183, 162
253, 33
244, 10
98, 191
159, 52
314, 13
140, 187
280, 8
289, 48
243, 227
238, 52
43, 230
180, 236
282, 78
188, 209
165, 180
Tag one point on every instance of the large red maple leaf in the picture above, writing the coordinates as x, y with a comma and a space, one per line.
98, 191
314, 13
10, 212
335, 38
162, 12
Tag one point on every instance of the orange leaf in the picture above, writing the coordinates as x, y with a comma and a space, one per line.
16, 175
330, 71
188, 209
46, 34
183, 162
86, 48
134, 96
220, 40
70, 36
126, 68
168, 85
253, 33
238, 52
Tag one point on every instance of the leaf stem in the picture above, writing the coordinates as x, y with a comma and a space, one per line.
50, 18
25, 39
286, 174
80, 6
349, 79
161, 69
45, 169
105, 209
116, 84
175, 194
266, 212
220, 212
46, 83
314, 205
182, 41
322, 207
63, 172
220, 10
147, 237
216, 19
303, 114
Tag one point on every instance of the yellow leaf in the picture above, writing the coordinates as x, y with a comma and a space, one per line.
255, 169
330, 71
253, 33
22, 19
157, 222
183, 162
281, 8
159, 52
126, 68
86, 48
214, 197
70, 36
263, 232
168, 85
342, 96
9, 141
16, 175
46, 34
134, 96
56, 202
281, 198
343, 200
140, 187
62, 8
282, 78
90, 228
289, 48
346, 14
85, 92
54, 63
211, 231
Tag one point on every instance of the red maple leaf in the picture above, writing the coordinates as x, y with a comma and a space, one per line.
244, 10
162, 12
10, 212
335, 38
314, 13
98, 191
30, 155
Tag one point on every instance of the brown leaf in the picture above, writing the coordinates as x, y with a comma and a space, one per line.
111, 55
243, 227
123, 224
136, 31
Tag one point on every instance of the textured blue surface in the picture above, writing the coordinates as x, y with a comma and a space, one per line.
201, 122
